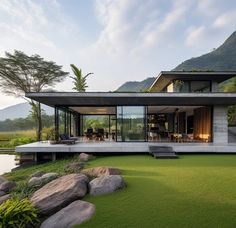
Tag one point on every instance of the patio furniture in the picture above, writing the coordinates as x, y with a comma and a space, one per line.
100, 134
89, 133
65, 139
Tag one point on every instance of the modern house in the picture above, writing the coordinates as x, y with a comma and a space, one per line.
183, 109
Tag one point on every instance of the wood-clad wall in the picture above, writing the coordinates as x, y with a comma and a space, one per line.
202, 124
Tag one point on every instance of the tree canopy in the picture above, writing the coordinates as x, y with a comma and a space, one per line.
20, 74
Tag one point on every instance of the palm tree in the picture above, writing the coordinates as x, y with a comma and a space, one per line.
80, 83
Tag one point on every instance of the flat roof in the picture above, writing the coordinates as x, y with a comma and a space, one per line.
115, 99
165, 77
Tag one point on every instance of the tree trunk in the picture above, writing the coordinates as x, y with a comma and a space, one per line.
39, 119
36, 113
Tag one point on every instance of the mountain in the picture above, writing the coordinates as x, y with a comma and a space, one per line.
136, 86
21, 110
221, 59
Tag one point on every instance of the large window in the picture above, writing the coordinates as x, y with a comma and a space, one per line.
105, 122
190, 86
131, 123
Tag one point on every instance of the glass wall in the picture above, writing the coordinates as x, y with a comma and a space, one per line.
62, 122
189, 86
131, 123
100, 123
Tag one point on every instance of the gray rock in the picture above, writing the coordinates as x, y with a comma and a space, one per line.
74, 167
4, 198
74, 214
37, 174
99, 171
46, 178
34, 182
2, 179
39, 181
7, 186
60, 192
106, 184
85, 157
2, 193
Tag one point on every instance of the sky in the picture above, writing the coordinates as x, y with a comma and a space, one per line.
117, 40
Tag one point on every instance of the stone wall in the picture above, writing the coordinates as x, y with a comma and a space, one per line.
220, 124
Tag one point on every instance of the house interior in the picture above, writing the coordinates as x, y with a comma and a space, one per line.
137, 123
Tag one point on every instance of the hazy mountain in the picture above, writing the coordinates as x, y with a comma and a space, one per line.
21, 110
136, 86
221, 59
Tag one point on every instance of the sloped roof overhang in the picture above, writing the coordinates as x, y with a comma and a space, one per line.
166, 77
115, 99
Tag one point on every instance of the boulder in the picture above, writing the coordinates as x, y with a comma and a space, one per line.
74, 214
34, 182
2, 179
85, 157
7, 186
106, 184
37, 174
49, 176
2, 193
44, 179
98, 171
74, 167
60, 192
4, 198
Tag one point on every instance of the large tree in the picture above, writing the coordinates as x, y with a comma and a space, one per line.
20, 74
80, 83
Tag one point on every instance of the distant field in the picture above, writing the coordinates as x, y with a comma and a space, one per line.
6, 137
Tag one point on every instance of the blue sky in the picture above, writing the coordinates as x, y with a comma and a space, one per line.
117, 40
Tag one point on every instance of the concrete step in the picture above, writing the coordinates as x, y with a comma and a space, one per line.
165, 155
160, 149
162, 152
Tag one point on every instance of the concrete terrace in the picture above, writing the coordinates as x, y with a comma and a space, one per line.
125, 147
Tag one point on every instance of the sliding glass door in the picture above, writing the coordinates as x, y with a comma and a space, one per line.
131, 123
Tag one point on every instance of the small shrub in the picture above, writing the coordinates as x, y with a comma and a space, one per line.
22, 191
18, 213
49, 133
21, 141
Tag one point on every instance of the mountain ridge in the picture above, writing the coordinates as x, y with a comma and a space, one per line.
21, 110
136, 86
222, 58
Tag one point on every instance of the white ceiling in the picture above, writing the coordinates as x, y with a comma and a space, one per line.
169, 109
112, 110
94, 110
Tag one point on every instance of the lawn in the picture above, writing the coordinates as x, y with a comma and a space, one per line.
193, 191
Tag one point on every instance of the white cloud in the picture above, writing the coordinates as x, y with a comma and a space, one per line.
209, 8
195, 35
134, 39
225, 20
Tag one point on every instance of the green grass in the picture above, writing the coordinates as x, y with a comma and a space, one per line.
6, 137
193, 191
24, 173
